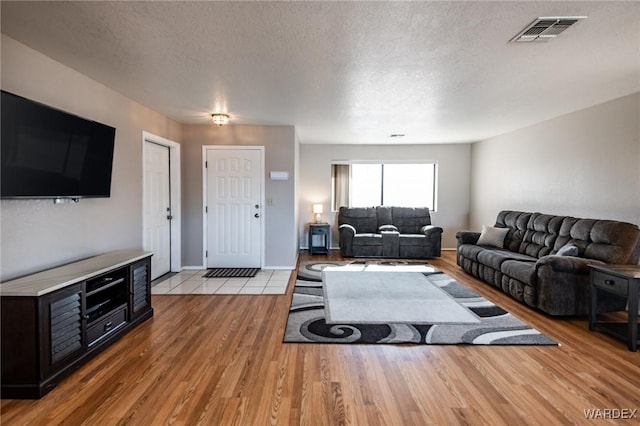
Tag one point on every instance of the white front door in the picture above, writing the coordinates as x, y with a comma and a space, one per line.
233, 208
157, 207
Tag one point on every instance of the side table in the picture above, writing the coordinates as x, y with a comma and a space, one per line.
323, 231
623, 280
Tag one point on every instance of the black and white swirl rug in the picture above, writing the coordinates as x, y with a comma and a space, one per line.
306, 322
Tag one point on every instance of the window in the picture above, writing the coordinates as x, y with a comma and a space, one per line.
384, 184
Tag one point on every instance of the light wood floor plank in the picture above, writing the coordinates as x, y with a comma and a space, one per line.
220, 360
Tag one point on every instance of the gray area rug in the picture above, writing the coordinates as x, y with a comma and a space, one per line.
307, 321
384, 296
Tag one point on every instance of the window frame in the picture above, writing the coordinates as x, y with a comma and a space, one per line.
334, 207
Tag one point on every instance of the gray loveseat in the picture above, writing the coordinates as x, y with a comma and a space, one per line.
395, 232
531, 268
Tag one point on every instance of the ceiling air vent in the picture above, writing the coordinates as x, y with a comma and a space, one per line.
546, 28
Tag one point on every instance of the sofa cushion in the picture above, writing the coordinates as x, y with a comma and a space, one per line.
541, 234
517, 224
412, 239
384, 215
363, 219
521, 271
605, 240
368, 239
409, 220
495, 258
611, 241
493, 237
470, 251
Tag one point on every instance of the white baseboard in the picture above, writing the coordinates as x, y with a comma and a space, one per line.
338, 248
276, 268
193, 268
330, 248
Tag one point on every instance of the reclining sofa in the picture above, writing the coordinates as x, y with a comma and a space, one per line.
543, 259
394, 232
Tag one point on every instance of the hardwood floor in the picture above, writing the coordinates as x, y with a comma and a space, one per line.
220, 360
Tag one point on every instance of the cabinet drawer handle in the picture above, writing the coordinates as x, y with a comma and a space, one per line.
107, 326
609, 282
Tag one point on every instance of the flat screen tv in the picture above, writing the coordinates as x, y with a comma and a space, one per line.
48, 153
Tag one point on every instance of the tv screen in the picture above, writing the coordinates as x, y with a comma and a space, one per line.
48, 153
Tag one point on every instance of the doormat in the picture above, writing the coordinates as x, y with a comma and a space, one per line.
231, 273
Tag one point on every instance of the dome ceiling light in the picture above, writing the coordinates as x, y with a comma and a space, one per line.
220, 119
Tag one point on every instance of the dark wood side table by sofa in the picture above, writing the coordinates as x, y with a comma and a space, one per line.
323, 230
623, 280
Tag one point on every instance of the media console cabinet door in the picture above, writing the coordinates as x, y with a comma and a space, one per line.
140, 287
65, 336
40, 337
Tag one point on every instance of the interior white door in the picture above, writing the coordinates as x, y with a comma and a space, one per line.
157, 207
233, 208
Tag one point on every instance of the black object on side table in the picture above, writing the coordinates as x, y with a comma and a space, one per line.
323, 231
623, 280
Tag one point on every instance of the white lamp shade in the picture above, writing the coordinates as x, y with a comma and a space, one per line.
317, 212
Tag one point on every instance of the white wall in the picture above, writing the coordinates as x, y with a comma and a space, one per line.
583, 164
36, 234
453, 181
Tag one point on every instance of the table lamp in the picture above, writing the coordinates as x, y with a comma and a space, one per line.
317, 210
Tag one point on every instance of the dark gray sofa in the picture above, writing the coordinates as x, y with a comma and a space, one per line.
529, 268
395, 232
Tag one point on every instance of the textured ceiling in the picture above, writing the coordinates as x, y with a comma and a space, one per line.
344, 72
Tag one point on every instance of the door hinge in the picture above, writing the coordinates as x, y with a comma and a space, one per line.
206, 209
206, 253
206, 164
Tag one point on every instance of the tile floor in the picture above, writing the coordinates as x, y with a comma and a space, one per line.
192, 282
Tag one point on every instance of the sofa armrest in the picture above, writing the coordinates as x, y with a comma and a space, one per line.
433, 239
347, 232
431, 230
562, 286
467, 237
576, 265
347, 228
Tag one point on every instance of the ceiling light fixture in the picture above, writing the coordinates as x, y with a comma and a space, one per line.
220, 119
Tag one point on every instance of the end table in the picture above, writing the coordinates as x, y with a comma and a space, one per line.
323, 231
623, 280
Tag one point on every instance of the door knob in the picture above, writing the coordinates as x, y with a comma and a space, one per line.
256, 215
169, 217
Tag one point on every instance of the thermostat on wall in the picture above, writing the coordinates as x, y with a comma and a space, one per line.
279, 175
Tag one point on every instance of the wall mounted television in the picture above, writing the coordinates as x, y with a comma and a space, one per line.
48, 153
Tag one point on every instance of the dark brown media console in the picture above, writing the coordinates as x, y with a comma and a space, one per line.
54, 321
